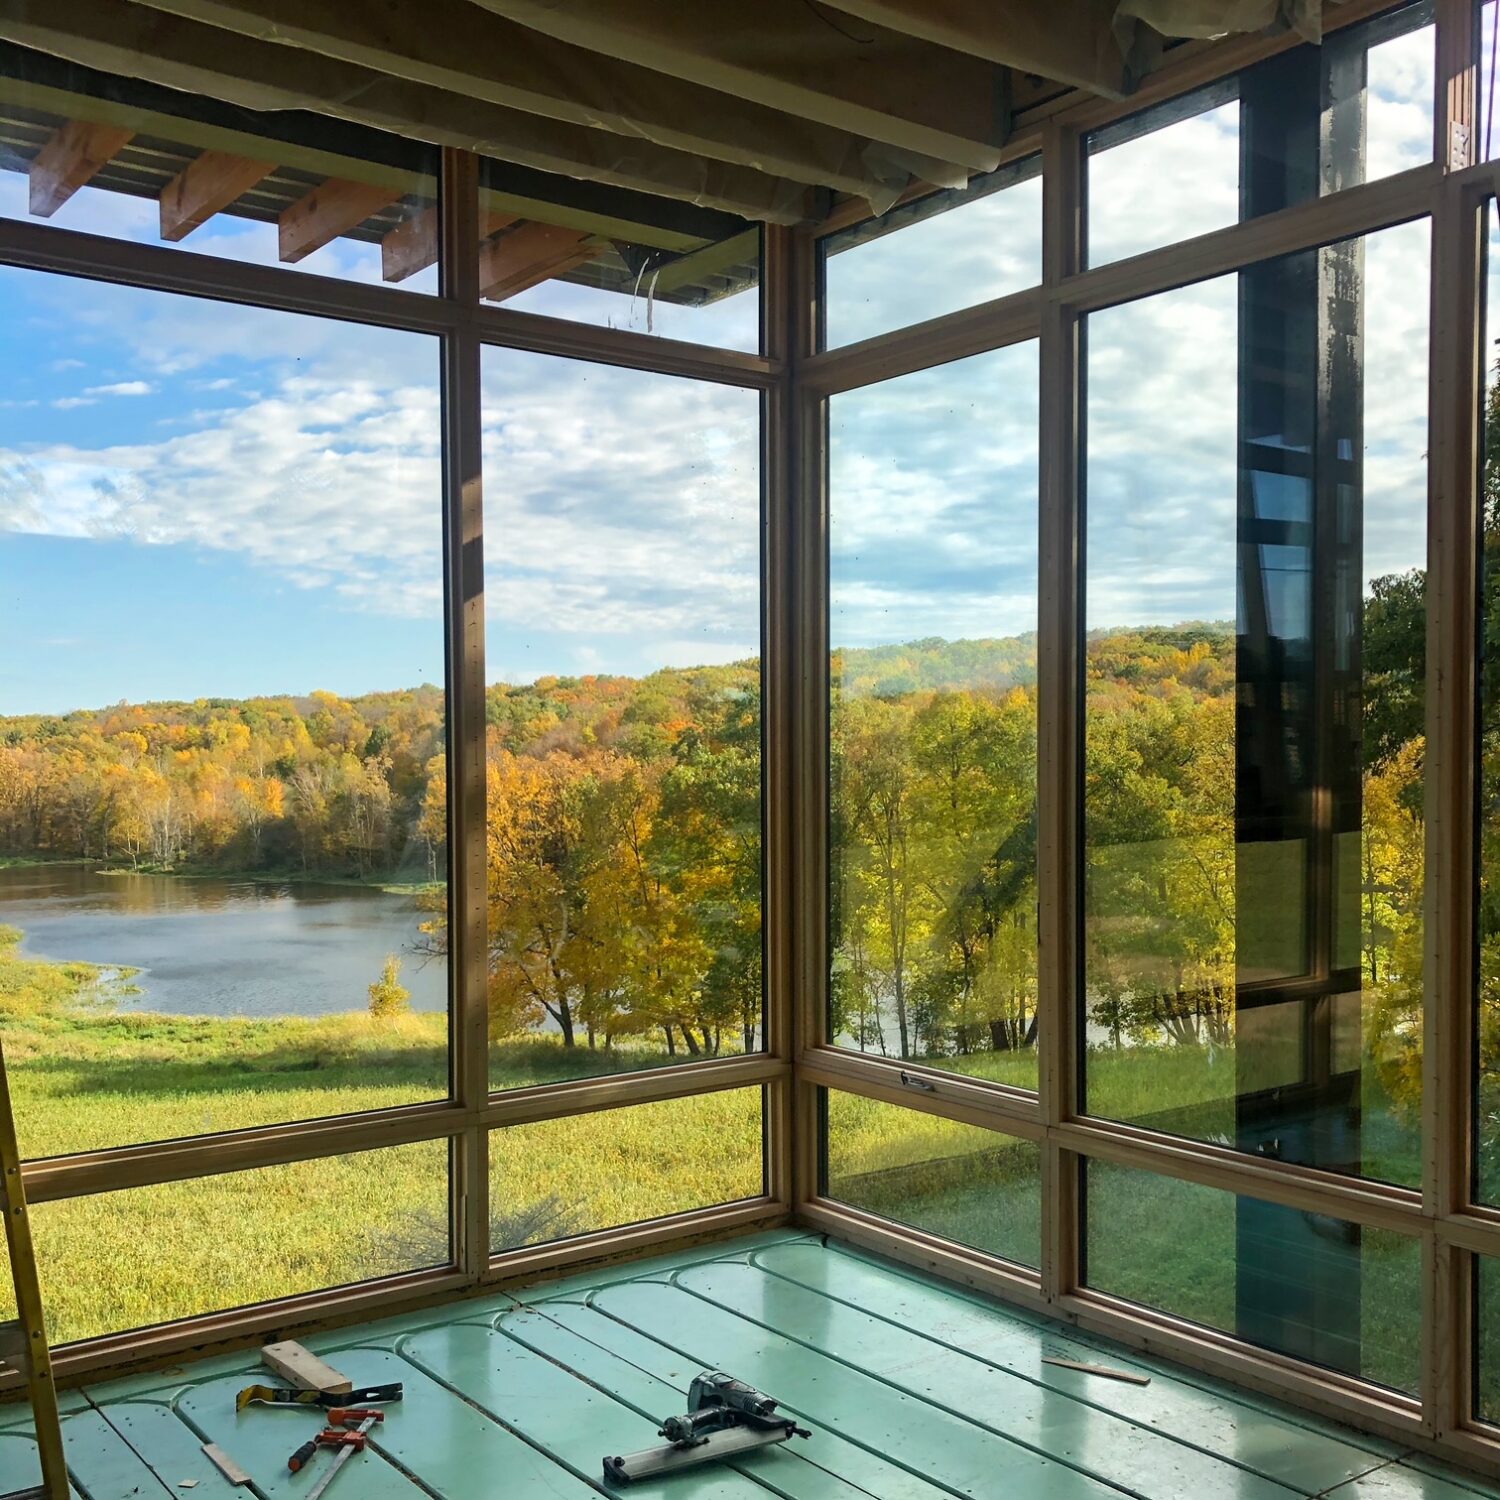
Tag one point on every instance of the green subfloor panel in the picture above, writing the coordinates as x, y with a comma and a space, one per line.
913, 1390
884, 1318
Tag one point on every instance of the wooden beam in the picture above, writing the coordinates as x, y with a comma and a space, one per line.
529, 255
412, 245
331, 209
205, 187
260, 75
458, 46
1071, 41
69, 159
786, 55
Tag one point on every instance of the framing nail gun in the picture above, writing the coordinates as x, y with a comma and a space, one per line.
725, 1418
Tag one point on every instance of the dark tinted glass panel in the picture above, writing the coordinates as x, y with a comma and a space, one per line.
932, 617
937, 255
1255, 600
1307, 122
125, 158
560, 1178
964, 1183
1304, 1284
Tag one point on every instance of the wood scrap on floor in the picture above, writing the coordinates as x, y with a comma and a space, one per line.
225, 1464
303, 1368
1105, 1370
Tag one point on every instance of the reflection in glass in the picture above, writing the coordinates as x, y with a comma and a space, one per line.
293, 1232
959, 1181
560, 1178
278, 187
624, 723
932, 608
1303, 1284
1254, 716
222, 783
613, 258
941, 253
1309, 121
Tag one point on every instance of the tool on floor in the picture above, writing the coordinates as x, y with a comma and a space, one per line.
272, 1395
347, 1451
725, 1418
337, 1435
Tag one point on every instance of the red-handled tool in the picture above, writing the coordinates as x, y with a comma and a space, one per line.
337, 1436
347, 1449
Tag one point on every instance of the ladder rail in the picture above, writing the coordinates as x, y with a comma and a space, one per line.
34, 1354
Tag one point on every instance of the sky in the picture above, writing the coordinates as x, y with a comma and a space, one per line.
202, 500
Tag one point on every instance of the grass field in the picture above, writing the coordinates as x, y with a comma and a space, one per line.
86, 1077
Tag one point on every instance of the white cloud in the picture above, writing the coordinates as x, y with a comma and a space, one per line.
121, 388
68, 403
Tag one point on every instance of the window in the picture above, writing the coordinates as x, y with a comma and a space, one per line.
624, 710
937, 255
1253, 808
222, 716
933, 609
97, 1278
976, 1186
135, 161
614, 258
560, 1178
1303, 123
1309, 1285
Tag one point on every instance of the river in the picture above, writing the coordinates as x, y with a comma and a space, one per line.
223, 947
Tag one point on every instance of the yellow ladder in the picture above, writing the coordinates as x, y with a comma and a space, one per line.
23, 1344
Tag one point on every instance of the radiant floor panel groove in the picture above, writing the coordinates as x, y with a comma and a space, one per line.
914, 1391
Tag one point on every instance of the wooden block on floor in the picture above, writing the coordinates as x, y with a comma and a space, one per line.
303, 1368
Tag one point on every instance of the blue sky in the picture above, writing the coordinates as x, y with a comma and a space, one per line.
199, 500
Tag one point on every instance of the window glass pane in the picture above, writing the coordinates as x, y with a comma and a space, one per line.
1487, 1340
119, 157
613, 258
560, 1178
1256, 619
933, 607
116, 1261
964, 1183
622, 591
222, 794
942, 253
1487, 1015
1306, 1285
1307, 122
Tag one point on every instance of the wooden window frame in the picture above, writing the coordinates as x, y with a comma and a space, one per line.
795, 380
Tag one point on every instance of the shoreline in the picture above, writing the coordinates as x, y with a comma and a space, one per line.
245, 877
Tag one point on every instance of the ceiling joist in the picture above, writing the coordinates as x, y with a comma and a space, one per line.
329, 210
69, 159
120, 37
466, 49
412, 245
1071, 41
529, 255
205, 187
788, 55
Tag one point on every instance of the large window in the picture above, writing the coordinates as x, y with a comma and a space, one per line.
222, 741
1253, 797
1307, 122
933, 610
624, 719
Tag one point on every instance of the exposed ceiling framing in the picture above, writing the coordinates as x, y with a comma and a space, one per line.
624, 137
